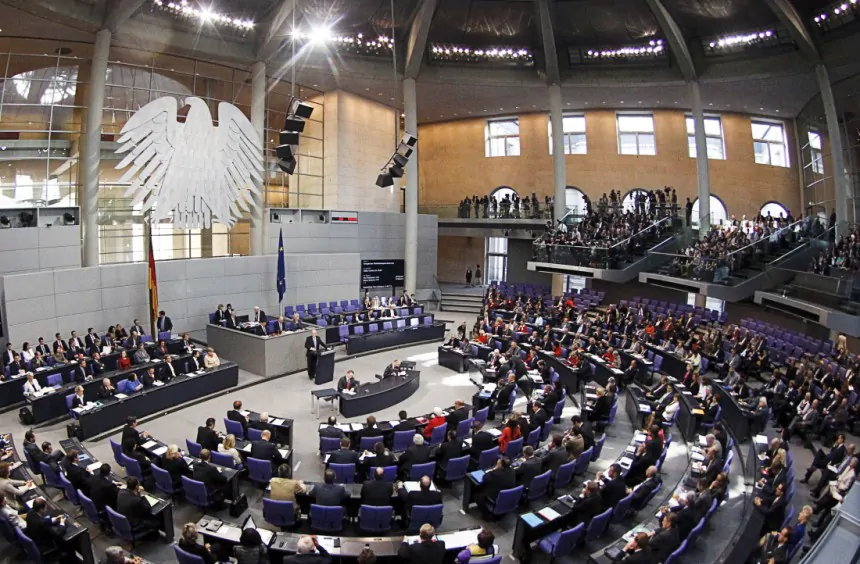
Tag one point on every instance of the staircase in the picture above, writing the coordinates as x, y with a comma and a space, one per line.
462, 302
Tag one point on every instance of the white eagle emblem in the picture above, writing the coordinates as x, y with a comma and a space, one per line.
195, 170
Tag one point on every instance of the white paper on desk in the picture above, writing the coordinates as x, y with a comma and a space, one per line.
591, 396
625, 462
394, 423
760, 439
468, 442
687, 393
703, 442
93, 467
644, 408
489, 388
494, 432
640, 437
158, 383
159, 451
348, 392
247, 447
283, 452
549, 513
343, 427
106, 350
277, 422
697, 456
617, 371
673, 503
245, 413
356, 426
120, 396
149, 444
155, 360
230, 533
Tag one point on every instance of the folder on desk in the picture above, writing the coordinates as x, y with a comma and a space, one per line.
477, 475
93, 467
159, 451
120, 396
247, 447
149, 444
532, 520
494, 432
356, 426
697, 412
549, 513
644, 408
277, 422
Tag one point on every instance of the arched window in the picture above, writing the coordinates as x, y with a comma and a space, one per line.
499, 193
775, 209
574, 200
719, 213
629, 202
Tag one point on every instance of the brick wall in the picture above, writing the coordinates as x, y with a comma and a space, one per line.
457, 253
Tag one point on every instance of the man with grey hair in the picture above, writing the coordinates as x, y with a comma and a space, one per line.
418, 453
116, 555
308, 551
712, 443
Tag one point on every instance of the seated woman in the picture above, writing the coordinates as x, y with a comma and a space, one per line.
124, 362
228, 446
437, 420
483, 547
511, 432
133, 384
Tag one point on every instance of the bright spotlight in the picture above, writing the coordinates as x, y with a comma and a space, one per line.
320, 34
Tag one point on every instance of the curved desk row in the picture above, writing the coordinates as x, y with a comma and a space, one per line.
113, 412
376, 396
357, 344
331, 331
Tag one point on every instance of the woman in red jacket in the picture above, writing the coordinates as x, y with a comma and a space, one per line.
123, 362
437, 421
511, 432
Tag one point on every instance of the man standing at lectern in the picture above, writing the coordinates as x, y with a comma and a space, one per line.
313, 345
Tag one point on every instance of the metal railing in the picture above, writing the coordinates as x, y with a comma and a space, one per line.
452, 211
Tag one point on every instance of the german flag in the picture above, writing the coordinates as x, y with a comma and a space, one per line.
153, 291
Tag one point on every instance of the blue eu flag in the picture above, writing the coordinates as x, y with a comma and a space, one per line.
282, 275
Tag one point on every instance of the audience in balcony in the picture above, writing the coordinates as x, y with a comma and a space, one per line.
842, 256
510, 206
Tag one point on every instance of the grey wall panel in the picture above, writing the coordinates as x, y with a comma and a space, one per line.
32, 331
60, 236
117, 275
26, 260
66, 281
176, 309
170, 290
28, 310
124, 315
210, 286
28, 286
171, 270
59, 257
81, 322
204, 268
81, 301
123, 296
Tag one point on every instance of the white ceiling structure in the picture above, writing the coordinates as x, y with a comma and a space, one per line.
775, 81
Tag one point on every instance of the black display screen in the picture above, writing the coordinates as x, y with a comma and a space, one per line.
381, 273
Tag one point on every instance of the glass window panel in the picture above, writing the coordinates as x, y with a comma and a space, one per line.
574, 124
775, 134
512, 146
505, 127
497, 147
759, 130
691, 146
774, 210
627, 142
713, 127
636, 123
715, 148
577, 144
647, 145
814, 140
777, 155
762, 155
691, 125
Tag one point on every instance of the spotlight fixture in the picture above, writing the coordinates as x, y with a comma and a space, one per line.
183, 8
294, 125
4, 221
27, 219
68, 219
462, 54
838, 14
395, 165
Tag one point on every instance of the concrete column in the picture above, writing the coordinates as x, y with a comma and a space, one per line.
258, 120
557, 285
702, 171
91, 154
837, 154
701, 301
410, 103
558, 163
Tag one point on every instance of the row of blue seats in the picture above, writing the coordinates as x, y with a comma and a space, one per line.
343, 331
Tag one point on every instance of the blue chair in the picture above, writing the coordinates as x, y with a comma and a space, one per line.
71, 492
196, 492
55, 380
117, 452
163, 481
367, 443
132, 467
515, 447
358, 330
564, 475
437, 435
457, 468
122, 527
343, 473
710, 425
146, 339
193, 448
329, 444
375, 519
789, 515
598, 526
389, 473
279, 513
186, 557
488, 458
598, 447
533, 440
679, 551
223, 459
69, 399
482, 414
556, 412
326, 519
50, 477
259, 471
255, 434
425, 514
122, 386
164, 336
33, 552
622, 508
419, 470
539, 485
402, 440
234, 428
322, 323
463, 428
582, 462
373, 328
506, 502
90, 509
343, 333
561, 543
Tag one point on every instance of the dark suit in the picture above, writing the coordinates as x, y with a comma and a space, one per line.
703, 503
176, 467
312, 346
93, 341
382, 461
78, 401
131, 433
613, 492
331, 432
208, 438
774, 513
258, 316
103, 492
481, 441
640, 495
456, 416
376, 492
555, 459
214, 481
414, 455
16, 367
640, 557
447, 451
234, 415
601, 409
527, 471
420, 497
538, 420
264, 450
43, 531
104, 393
664, 542
498, 480
330, 495
425, 552
686, 522
163, 324
79, 477
368, 432
504, 397
343, 456
135, 508
586, 508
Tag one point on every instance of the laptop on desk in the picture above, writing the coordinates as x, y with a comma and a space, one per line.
265, 534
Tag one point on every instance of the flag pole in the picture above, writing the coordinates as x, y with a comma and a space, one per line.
152, 281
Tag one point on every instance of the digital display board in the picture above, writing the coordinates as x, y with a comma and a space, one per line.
381, 273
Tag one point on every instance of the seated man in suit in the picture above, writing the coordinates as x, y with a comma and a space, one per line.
136, 327
589, 504
418, 453
458, 414
140, 355
262, 423
481, 440
168, 371
279, 326
451, 448
602, 407
666, 539
530, 466
93, 341
103, 491
17, 366
370, 430
345, 455
78, 400
220, 315
330, 430
59, 343
614, 489
503, 399
638, 550
643, 490
426, 551
557, 454
206, 472
47, 455
106, 390
131, 504
45, 531
77, 475
259, 316
133, 341
406, 424
207, 436
266, 450
97, 367
381, 457
236, 415
500, 477
376, 491
424, 496
347, 382
329, 493
76, 345
149, 378
392, 370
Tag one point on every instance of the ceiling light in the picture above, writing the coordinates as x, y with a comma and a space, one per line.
205, 15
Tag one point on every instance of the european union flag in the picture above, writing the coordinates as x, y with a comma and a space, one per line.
282, 274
